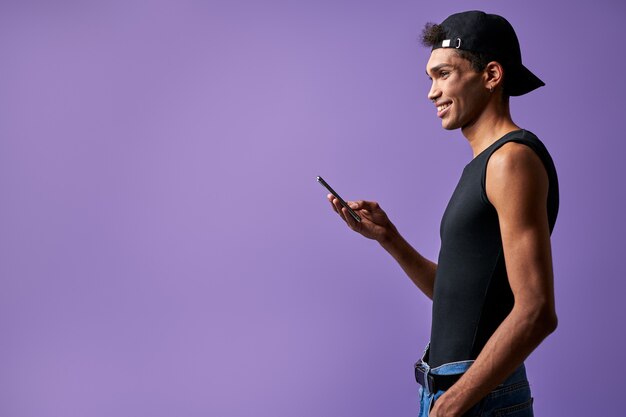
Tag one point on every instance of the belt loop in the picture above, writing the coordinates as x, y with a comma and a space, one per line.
430, 381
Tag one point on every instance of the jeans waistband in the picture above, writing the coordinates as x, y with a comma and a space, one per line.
450, 372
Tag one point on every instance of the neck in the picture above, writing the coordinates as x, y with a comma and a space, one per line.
493, 123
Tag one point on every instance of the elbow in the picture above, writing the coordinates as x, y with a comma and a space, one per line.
540, 318
550, 322
544, 321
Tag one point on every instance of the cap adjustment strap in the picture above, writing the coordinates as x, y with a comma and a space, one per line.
446, 43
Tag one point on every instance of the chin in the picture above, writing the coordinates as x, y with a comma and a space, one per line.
449, 126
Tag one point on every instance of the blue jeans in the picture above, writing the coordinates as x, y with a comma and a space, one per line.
511, 398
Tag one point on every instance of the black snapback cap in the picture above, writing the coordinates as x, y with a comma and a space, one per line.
493, 35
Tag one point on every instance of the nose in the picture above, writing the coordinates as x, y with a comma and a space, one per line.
434, 91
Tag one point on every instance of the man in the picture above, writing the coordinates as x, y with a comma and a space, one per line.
492, 288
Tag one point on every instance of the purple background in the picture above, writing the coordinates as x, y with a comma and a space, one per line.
165, 249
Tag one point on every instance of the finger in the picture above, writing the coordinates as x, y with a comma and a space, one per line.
339, 208
348, 217
352, 204
335, 203
330, 200
355, 205
350, 214
371, 206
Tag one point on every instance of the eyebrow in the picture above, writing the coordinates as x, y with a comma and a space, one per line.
437, 68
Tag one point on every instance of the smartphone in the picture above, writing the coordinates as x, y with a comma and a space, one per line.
343, 203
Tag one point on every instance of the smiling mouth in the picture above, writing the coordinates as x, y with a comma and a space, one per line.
441, 109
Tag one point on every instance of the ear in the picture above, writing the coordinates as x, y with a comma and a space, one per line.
493, 75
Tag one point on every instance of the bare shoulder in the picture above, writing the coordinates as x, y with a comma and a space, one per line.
514, 156
515, 170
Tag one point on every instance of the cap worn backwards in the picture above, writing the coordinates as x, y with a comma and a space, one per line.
493, 35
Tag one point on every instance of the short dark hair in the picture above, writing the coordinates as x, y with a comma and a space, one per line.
433, 34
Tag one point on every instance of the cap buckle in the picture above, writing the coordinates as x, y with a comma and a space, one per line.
446, 43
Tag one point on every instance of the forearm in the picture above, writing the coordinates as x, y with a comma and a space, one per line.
419, 269
518, 335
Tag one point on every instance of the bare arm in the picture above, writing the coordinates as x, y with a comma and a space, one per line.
376, 225
517, 186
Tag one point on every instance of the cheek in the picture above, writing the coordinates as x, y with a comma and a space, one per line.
456, 89
474, 97
451, 89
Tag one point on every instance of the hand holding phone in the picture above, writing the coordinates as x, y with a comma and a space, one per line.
343, 203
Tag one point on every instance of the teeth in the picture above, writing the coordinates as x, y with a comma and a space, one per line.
442, 107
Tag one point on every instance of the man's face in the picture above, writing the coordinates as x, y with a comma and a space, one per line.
457, 90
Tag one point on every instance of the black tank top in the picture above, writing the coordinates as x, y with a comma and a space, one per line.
472, 295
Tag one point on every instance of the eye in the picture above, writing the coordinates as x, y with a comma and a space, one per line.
444, 74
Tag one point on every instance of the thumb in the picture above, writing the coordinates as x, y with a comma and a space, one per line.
369, 205
355, 205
